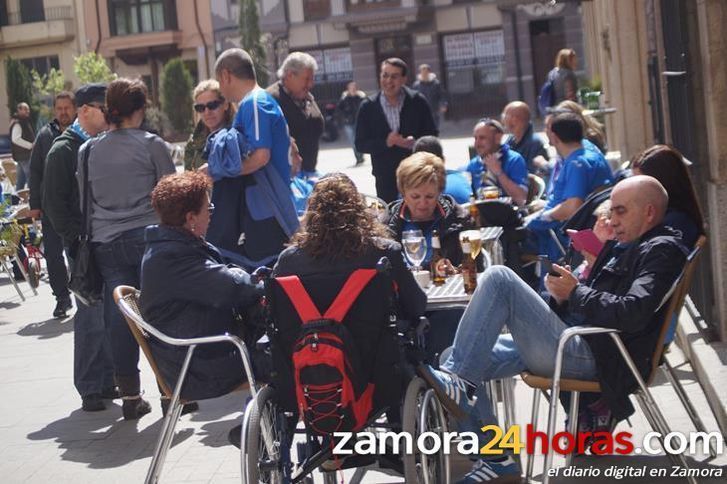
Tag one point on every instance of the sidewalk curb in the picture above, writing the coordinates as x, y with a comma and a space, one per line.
708, 361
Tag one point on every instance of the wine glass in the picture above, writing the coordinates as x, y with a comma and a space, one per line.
415, 247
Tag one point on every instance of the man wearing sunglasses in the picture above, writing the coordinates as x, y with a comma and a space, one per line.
92, 367
388, 124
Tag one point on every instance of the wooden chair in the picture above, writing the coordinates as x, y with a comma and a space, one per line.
675, 299
127, 299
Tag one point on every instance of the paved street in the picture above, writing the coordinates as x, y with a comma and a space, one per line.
45, 437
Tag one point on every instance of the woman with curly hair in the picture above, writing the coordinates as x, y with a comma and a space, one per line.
124, 166
187, 290
338, 235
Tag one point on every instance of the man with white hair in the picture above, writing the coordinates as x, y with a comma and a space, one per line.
624, 290
305, 121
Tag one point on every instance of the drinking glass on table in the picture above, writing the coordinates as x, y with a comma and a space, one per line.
415, 247
475, 238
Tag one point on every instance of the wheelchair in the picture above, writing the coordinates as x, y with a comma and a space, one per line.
275, 422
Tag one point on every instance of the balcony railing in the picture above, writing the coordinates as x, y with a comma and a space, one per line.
51, 13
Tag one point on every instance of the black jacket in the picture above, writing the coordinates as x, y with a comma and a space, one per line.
348, 106
412, 300
187, 292
305, 125
61, 201
452, 221
623, 292
28, 134
41, 147
372, 128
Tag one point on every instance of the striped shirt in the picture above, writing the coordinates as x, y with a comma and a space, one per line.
392, 111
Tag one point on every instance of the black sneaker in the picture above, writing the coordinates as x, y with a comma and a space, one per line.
186, 408
62, 308
93, 403
134, 407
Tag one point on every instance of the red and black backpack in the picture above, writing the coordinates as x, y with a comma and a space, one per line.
332, 393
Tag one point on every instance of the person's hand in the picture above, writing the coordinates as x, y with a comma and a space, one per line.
444, 266
34, 213
407, 143
493, 164
392, 139
590, 258
204, 169
561, 287
295, 159
443, 109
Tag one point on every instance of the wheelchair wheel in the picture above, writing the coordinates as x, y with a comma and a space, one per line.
422, 412
262, 440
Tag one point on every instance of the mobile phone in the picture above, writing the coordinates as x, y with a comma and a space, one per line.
546, 266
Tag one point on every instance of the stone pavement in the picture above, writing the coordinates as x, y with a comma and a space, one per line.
45, 437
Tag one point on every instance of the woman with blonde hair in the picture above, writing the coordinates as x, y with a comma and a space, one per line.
214, 112
565, 83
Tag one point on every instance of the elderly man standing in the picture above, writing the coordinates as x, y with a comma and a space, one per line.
22, 136
305, 121
516, 118
628, 281
254, 215
64, 108
388, 124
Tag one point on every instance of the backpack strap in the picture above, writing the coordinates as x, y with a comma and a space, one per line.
307, 310
350, 291
299, 297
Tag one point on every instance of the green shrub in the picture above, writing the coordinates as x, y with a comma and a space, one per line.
177, 96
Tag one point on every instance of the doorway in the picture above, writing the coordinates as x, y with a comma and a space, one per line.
547, 37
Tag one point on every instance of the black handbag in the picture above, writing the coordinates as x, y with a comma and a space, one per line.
85, 281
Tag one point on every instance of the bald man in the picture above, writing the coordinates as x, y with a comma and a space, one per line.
516, 119
22, 136
627, 284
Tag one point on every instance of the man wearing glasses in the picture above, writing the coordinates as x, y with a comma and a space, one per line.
92, 367
388, 124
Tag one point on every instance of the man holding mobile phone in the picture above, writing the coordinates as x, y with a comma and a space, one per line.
629, 280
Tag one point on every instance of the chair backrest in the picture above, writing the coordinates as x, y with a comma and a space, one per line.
536, 188
127, 299
675, 302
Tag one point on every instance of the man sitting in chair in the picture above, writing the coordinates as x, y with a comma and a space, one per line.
627, 284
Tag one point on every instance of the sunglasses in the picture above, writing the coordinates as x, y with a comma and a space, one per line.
211, 208
212, 105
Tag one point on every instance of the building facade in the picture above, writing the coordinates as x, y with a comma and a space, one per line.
484, 52
42, 34
664, 72
138, 37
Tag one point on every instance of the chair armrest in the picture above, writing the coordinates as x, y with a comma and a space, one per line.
567, 335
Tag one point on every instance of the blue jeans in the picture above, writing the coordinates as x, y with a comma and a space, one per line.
350, 131
22, 174
120, 264
481, 353
93, 369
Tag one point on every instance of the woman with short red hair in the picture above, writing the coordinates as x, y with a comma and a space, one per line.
187, 290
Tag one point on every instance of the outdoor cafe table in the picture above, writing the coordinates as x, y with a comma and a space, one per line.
450, 294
